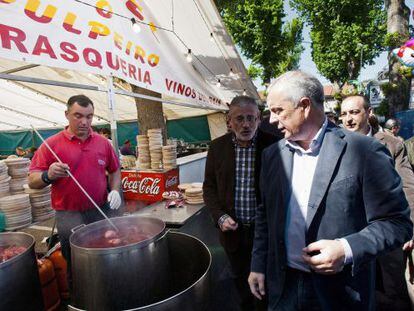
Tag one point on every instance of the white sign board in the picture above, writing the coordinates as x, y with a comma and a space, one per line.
97, 37
375, 95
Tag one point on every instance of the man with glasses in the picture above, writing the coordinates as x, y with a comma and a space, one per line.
231, 189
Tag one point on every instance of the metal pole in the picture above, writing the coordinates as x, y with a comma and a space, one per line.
112, 116
11, 77
360, 45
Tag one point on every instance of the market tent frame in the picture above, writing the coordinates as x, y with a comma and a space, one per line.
35, 95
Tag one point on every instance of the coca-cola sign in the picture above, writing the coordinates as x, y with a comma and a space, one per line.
148, 186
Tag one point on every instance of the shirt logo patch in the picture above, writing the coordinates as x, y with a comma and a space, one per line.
101, 162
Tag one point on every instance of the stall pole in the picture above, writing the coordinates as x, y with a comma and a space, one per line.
112, 116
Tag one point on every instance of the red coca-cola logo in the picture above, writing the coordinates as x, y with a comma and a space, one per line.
171, 181
146, 185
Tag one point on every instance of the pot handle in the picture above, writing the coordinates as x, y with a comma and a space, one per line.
77, 227
163, 236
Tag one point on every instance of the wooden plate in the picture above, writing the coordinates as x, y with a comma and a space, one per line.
29, 190
42, 203
194, 202
183, 187
193, 191
14, 199
197, 185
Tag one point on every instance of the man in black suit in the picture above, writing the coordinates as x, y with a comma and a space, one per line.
231, 190
331, 202
390, 281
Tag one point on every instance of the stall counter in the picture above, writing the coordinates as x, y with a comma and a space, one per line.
173, 217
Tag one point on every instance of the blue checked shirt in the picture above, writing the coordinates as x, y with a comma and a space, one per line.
244, 192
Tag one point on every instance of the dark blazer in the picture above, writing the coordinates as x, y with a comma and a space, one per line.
356, 194
402, 164
219, 179
390, 279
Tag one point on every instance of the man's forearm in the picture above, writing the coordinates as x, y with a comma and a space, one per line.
115, 180
35, 180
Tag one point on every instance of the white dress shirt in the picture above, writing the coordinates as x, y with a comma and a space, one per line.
303, 170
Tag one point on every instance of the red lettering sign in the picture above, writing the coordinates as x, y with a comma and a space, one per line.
148, 186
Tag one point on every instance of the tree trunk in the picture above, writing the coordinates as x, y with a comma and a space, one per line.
149, 112
398, 15
353, 69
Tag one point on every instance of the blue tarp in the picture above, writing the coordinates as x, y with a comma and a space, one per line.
407, 123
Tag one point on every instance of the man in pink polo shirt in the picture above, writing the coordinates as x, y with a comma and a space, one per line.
87, 155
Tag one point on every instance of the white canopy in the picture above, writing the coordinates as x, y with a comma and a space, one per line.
183, 24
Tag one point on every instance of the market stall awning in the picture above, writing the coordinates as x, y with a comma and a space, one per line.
65, 39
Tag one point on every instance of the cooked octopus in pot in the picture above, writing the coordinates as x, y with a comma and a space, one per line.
8, 252
111, 238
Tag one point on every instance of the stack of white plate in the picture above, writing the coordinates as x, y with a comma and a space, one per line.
3, 171
155, 148
5, 187
128, 161
144, 159
194, 195
41, 203
4, 180
16, 185
18, 167
169, 157
184, 187
18, 170
17, 211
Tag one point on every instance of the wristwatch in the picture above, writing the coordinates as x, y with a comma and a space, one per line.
46, 179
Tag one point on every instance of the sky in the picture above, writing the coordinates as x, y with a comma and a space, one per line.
306, 63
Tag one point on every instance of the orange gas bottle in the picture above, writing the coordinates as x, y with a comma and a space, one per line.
50, 289
61, 266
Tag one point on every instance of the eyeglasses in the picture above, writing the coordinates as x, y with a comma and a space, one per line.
249, 118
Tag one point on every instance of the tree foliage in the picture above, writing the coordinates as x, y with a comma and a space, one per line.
258, 27
398, 90
342, 30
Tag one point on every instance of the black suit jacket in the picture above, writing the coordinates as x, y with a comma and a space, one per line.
219, 179
356, 194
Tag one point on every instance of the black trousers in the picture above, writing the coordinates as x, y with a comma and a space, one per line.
240, 259
391, 288
298, 293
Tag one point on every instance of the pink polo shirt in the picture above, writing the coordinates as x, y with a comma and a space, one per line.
87, 160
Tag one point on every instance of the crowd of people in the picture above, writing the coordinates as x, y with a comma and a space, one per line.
312, 215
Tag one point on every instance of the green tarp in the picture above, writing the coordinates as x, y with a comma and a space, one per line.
9, 141
191, 130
